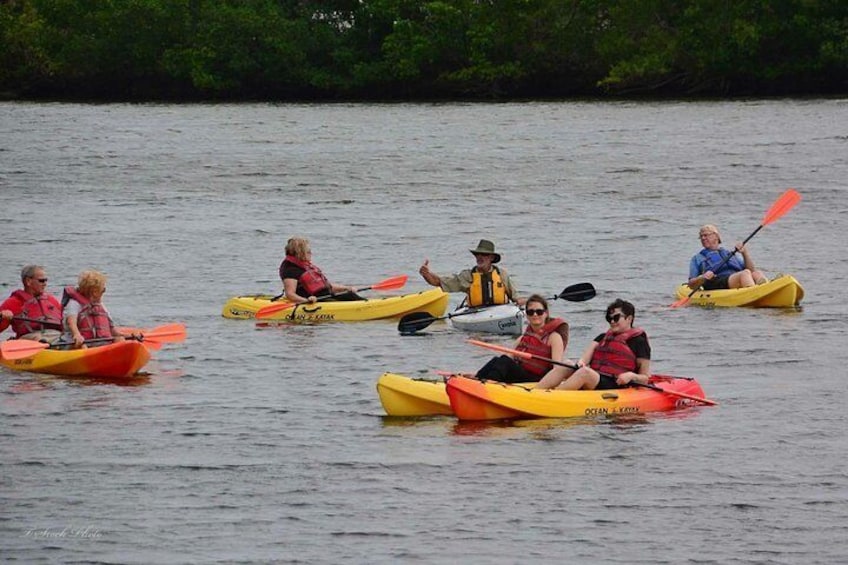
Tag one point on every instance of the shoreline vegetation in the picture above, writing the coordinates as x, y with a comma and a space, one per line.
404, 50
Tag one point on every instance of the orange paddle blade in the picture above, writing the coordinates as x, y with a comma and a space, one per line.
270, 310
168, 333
21, 348
682, 302
500, 348
392, 283
782, 205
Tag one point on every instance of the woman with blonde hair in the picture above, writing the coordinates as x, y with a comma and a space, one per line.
86, 318
303, 281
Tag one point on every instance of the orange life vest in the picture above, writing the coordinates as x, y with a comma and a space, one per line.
537, 344
44, 308
93, 320
612, 356
313, 281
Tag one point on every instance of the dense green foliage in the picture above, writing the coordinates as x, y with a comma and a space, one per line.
392, 49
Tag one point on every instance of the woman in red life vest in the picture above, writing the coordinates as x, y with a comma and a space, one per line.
32, 312
544, 336
615, 358
303, 281
86, 318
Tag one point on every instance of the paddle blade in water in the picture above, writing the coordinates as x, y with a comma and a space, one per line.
268, 311
682, 302
415, 321
782, 205
21, 348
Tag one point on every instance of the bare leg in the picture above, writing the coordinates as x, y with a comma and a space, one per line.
583, 378
759, 277
742, 279
554, 377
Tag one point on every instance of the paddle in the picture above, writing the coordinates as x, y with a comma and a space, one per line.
21, 348
781, 206
390, 283
416, 321
527, 355
45, 323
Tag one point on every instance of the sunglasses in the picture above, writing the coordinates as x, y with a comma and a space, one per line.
535, 312
614, 318
42, 281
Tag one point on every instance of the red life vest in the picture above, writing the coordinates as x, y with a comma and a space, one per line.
312, 280
44, 308
537, 344
93, 321
612, 356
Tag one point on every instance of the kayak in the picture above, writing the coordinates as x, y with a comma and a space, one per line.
504, 319
115, 361
433, 302
404, 396
783, 292
471, 399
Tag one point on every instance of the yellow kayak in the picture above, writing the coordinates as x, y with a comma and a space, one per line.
404, 396
433, 302
783, 292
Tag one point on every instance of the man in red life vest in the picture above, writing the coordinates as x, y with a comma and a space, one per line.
32, 312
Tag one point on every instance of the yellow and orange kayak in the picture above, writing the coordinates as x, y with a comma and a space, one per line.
112, 361
471, 399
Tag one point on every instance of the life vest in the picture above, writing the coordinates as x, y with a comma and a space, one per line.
44, 308
93, 321
487, 289
712, 258
537, 344
612, 355
312, 281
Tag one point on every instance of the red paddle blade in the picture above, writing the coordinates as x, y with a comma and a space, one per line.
782, 205
21, 348
391, 283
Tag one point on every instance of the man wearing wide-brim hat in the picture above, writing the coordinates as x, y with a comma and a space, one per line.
484, 284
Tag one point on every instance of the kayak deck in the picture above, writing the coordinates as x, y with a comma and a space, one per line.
503, 319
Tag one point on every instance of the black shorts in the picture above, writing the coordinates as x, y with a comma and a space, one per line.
717, 283
607, 382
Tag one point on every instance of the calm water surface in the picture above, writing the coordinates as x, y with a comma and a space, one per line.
254, 445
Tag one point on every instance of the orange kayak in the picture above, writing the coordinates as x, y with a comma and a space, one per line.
472, 399
113, 361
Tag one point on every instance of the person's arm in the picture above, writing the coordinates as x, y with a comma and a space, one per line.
290, 288
71, 323
511, 291
641, 375
339, 288
432, 278
747, 260
696, 278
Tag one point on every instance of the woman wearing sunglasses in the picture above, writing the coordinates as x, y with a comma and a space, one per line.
615, 358
544, 336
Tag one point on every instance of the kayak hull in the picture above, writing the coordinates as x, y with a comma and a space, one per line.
783, 292
471, 399
504, 319
112, 361
434, 302
405, 396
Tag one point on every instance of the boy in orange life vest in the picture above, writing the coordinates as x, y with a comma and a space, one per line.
615, 358
303, 281
32, 312
85, 315
544, 336
484, 284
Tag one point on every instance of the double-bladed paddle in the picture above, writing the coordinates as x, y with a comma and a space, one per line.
527, 355
417, 321
391, 283
22, 348
781, 206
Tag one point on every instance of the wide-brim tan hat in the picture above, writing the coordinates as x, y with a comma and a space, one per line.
486, 247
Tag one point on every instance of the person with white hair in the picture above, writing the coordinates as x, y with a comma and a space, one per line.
714, 267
